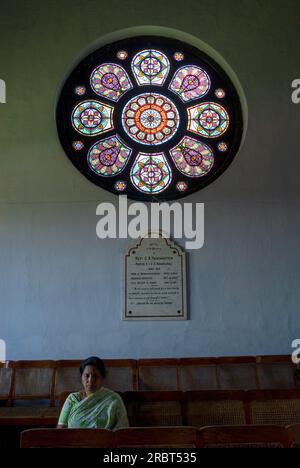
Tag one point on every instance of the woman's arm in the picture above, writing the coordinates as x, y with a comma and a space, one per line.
120, 415
61, 426
64, 414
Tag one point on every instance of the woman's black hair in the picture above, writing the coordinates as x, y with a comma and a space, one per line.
93, 361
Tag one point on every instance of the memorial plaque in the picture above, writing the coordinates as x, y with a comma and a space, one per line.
155, 281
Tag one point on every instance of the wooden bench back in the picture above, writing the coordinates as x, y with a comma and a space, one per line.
67, 438
244, 437
46, 380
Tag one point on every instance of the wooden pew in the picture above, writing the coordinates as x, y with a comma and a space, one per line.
212, 407
154, 408
197, 374
5, 382
32, 383
156, 437
30, 394
161, 437
67, 438
237, 373
281, 407
121, 375
158, 374
276, 372
294, 431
244, 436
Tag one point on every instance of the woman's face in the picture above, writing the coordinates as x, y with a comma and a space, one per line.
91, 379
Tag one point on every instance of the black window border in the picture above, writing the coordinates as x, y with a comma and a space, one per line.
192, 56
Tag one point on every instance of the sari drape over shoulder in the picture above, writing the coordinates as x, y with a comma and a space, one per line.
103, 409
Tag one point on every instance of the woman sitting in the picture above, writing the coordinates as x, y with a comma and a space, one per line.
95, 406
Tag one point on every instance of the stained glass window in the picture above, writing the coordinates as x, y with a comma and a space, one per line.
150, 117
92, 118
151, 173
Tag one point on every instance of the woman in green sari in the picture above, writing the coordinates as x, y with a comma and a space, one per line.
95, 406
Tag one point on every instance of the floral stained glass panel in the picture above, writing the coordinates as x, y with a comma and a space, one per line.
190, 83
110, 81
109, 157
209, 120
151, 173
192, 157
150, 67
92, 118
149, 117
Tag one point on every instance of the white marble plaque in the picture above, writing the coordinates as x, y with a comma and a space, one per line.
155, 281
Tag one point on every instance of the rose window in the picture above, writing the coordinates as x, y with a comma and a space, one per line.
152, 118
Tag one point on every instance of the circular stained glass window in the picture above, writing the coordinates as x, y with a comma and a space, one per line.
150, 117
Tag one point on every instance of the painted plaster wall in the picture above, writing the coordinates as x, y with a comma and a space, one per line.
59, 284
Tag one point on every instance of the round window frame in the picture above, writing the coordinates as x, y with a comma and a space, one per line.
80, 76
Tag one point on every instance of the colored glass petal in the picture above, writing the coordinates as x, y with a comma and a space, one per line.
222, 146
122, 54
77, 145
209, 120
178, 56
120, 185
150, 67
190, 82
80, 90
220, 93
109, 157
110, 81
192, 158
92, 118
151, 173
181, 186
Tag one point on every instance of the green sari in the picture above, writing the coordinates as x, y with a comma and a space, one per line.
103, 409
